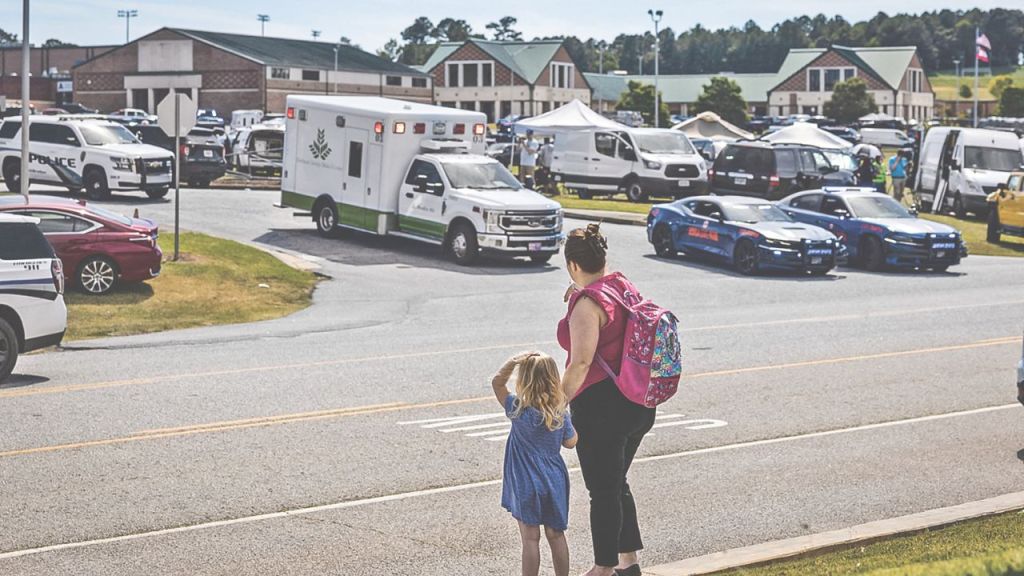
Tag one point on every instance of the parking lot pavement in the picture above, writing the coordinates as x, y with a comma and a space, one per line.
807, 404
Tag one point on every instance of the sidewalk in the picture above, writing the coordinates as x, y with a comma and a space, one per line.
606, 216
837, 539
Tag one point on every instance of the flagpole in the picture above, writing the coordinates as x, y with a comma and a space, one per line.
977, 32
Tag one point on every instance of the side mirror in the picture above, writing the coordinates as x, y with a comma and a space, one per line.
912, 210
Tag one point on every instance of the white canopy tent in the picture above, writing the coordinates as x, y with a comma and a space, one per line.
573, 116
711, 125
808, 134
876, 117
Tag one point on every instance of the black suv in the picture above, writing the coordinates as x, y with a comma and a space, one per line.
773, 171
202, 154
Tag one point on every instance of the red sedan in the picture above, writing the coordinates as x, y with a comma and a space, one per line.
99, 248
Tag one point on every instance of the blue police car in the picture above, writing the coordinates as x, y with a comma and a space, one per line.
751, 233
877, 230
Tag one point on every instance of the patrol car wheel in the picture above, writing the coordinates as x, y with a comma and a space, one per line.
8, 349
327, 219
96, 185
463, 245
992, 235
662, 240
97, 275
872, 255
156, 193
12, 176
744, 257
635, 192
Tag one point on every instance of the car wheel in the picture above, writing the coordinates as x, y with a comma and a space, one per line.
992, 234
584, 194
12, 176
542, 259
203, 184
744, 258
95, 182
958, 207
97, 275
8, 349
462, 244
662, 240
157, 193
326, 216
635, 192
872, 257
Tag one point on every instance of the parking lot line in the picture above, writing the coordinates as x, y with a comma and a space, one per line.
473, 485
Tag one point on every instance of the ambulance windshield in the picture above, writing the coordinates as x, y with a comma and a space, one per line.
480, 176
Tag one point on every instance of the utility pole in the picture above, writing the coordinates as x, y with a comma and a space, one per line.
26, 98
974, 118
336, 46
600, 70
263, 18
127, 15
656, 18
956, 106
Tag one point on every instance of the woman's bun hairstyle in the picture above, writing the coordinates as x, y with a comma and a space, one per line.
587, 248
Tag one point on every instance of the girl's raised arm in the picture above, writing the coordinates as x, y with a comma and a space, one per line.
499, 383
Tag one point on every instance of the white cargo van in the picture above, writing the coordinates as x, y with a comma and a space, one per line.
960, 167
245, 118
641, 162
391, 167
885, 137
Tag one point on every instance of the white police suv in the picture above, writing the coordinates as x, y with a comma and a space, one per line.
98, 156
32, 312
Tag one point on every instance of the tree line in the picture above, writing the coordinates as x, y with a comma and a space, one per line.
940, 36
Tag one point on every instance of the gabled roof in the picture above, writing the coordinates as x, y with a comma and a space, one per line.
796, 59
886, 64
680, 87
288, 52
526, 59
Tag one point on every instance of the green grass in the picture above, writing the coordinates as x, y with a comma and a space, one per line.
988, 546
215, 282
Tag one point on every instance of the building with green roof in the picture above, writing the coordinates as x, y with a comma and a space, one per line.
500, 78
229, 72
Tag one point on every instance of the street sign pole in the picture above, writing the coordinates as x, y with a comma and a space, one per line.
26, 100
181, 110
177, 171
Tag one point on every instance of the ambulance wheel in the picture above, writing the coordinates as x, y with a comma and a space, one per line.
462, 244
872, 256
8, 349
95, 182
635, 192
992, 234
12, 176
744, 257
157, 193
326, 216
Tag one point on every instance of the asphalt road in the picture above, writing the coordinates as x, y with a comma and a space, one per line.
359, 437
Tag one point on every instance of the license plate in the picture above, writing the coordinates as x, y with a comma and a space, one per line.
535, 246
208, 153
816, 260
739, 181
684, 183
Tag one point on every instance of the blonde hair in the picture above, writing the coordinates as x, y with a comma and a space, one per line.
539, 386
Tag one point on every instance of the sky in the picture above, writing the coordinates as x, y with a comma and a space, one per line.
372, 22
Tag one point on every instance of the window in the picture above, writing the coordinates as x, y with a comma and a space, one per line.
425, 174
65, 136
40, 132
785, 161
813, 161
831, 79
22, 241
605, 144
9, 129
486, 74
280, 73
814, 83
707, 210
312, 75
453, 74
449, 104
562, 75
807, 202
825, 79
470, 75
833, 206
419, 82
54, 223
355, 159
393, 80
847, 73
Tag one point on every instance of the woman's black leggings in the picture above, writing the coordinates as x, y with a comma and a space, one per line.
610, 429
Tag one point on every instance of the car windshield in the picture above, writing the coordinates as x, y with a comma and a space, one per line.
664, 143
841, 160
480, 176
110, 215
877, 207
102, 135
752, 213
998, 159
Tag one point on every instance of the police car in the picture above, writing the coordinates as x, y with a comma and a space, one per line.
877, 230
96, 155
32, 312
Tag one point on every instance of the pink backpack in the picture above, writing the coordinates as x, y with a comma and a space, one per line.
651, 353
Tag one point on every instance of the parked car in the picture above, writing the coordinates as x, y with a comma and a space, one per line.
844, 132
208, 118
202, 153
14, 110
258, 150
877, 230
99, 248
885, 137
1006, 211
76, 108
131, 116
32, 311
502, 152
750, 233
773, 171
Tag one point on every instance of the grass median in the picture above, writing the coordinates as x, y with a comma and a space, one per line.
215, 282
987, 546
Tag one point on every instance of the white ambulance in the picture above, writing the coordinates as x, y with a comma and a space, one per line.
397, 168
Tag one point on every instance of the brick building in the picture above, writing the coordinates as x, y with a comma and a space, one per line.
502, 78
894, 76
50, 69
233, 71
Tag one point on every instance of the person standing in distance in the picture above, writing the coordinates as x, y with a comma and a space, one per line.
528, 153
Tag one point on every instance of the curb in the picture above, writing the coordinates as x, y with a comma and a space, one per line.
610, 217
837, 539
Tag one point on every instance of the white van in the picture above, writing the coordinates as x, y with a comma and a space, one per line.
960, 167
245, 118
641, 162
258, 149
885, 137
391, 167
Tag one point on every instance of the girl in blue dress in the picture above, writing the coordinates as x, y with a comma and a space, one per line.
535, 487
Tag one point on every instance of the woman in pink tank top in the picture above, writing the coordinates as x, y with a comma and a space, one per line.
610, 427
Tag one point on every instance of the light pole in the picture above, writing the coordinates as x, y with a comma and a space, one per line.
956, 107
600, 70
656, 18
26, 99
263, 18
127, 15
336, 68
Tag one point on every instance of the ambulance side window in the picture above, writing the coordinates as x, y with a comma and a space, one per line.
424, 178
355, 159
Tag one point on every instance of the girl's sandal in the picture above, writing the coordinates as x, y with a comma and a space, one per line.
633, 570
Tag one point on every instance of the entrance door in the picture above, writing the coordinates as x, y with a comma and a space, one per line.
487, 107
140, 98
158, 96
353, 182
